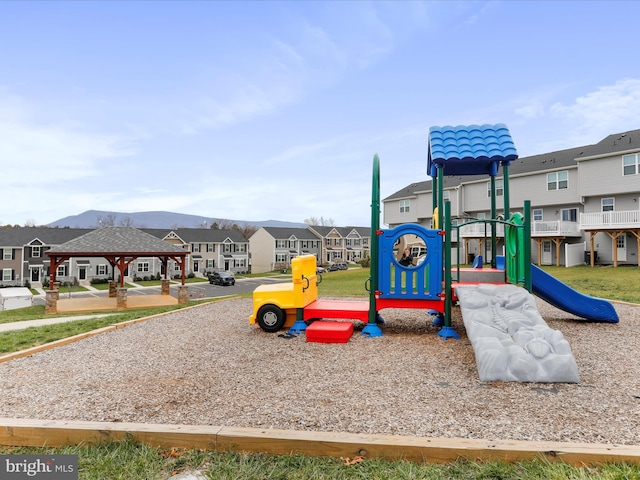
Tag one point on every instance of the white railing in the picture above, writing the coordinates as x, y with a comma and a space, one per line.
604, 220
479, 229
555, 228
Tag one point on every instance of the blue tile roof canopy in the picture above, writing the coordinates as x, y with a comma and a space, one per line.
470, 150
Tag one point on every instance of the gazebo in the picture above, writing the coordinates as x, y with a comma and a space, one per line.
119, 246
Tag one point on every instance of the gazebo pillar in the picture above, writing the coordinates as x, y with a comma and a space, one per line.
183, 295
121, 299
51, 299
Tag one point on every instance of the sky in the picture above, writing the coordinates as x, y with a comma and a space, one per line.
269, 110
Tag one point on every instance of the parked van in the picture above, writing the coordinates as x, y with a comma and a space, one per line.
338, 266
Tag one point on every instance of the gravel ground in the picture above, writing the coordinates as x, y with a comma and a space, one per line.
208, 366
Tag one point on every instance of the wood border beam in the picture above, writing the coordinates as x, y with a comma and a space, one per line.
57, 433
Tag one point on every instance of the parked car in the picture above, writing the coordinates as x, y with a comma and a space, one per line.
320, 269
222, 278
338, 266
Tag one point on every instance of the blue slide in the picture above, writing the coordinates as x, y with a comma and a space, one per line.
562, 296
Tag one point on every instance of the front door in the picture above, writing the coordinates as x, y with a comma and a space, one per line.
35, 274
546, 253
82, 273
621, 246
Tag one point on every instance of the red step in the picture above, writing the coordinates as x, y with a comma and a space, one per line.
329, 332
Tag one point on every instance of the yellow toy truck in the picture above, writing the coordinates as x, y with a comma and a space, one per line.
279, 305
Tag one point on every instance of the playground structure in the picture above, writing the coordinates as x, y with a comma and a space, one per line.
432, 282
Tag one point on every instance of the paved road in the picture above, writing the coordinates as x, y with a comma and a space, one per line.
196, 290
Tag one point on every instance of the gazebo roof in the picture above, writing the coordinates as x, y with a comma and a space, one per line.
120, 241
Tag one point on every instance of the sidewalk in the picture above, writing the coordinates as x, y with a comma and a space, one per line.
6, 327
12, 326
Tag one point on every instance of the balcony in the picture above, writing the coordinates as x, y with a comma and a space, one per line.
556, 228
610, 220
480, 229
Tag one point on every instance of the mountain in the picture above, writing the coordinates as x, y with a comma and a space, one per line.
95, 218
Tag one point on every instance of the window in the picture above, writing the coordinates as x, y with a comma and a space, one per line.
631, 164
499, 188
195, 247
143, 266
210, 264
7, 253
211, 247
608, 204
101, 269
537, 214
446, 195
404, 206
61, 271
7, 273
570, 215
281, 244
35, 251
558, 180
281, 258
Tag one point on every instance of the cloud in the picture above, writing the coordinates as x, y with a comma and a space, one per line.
43, 154
317, 49
608, 109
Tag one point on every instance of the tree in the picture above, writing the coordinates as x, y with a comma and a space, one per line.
246, 230
320, 222
108, 221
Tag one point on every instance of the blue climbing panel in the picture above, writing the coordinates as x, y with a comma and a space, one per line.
422, 281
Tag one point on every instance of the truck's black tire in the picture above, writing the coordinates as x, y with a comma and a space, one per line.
271, 318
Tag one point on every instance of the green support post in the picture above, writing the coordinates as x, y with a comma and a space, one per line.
447, 265
440, 196
372, 329
447, 330
505, 189
527, 245
493, 225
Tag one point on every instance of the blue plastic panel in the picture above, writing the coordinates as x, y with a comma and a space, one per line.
421, 282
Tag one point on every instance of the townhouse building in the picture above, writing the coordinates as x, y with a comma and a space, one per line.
23, 260
273, 248
347, 244
211, 250
585, 196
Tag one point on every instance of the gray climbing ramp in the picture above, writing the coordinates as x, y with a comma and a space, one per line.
511, 340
